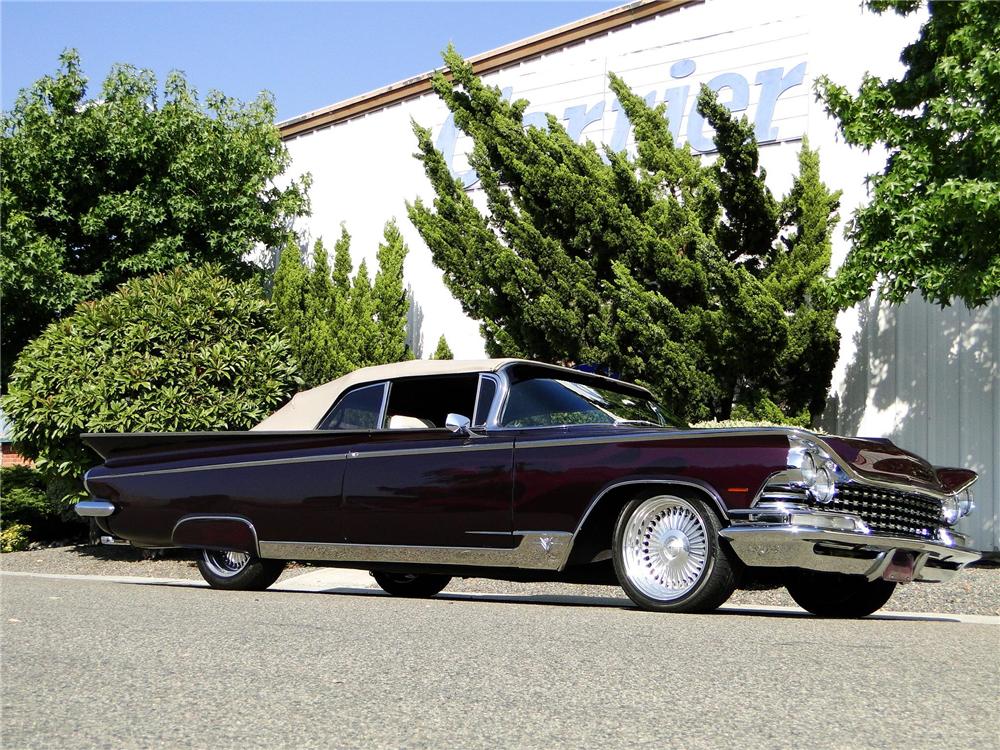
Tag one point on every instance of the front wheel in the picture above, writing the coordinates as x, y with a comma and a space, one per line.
668, 555
410, 584
838, 595
238, 571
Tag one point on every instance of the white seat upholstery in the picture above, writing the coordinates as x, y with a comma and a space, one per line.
400, 422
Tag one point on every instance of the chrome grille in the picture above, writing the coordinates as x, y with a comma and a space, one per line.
889, 511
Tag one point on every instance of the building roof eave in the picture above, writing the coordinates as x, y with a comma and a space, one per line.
482, 64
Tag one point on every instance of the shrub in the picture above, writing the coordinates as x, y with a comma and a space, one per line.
183, 350
14, 538
24, 498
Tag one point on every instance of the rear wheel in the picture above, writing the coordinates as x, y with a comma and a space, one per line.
668, 556
410, 584
238, 571
837, 595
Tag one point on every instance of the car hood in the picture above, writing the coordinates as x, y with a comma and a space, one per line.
879, 458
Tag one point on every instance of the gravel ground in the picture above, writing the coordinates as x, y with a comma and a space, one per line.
974, 592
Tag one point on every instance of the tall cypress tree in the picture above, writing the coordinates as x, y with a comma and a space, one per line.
654, 266
362, 337
443, 351
289, 295
337, 324
389, 297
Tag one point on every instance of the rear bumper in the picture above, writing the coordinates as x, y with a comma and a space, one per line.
797, 545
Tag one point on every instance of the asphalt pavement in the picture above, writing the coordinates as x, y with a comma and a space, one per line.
92, 663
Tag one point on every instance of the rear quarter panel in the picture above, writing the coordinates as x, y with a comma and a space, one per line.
288, 487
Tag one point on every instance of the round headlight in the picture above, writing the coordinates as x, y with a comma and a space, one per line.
823, 487
950, 509
808, 468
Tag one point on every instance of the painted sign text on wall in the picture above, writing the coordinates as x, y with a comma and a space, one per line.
680, 99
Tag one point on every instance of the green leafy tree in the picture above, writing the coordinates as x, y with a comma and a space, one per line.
337, 324
443, 351
182, 350
656, 267
931, 224
130, 182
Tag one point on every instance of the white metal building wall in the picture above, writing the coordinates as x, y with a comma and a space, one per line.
929, 379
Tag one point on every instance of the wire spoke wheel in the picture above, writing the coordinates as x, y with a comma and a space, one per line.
225, 563
665, 548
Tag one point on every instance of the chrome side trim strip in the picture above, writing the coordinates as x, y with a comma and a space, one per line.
232, 465
644, 437
94, 508
205, 517
537, 550
426, 451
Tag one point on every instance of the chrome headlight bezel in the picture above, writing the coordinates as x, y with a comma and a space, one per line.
824, 487
957, 506
813, 470
950, 511
966, 502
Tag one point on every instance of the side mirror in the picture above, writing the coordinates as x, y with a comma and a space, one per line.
458, 423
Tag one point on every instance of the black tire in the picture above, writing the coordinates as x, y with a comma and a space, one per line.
418, 586
238, 571
837, 595
645, 537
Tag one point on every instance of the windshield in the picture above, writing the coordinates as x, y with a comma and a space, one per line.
545, 402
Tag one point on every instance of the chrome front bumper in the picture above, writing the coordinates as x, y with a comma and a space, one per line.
838, 543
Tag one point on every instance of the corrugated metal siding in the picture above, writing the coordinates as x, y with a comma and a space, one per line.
929, 379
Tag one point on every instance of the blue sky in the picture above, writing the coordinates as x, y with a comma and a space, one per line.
309, 54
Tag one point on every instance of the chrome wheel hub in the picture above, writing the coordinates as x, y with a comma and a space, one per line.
225, 563
665, 548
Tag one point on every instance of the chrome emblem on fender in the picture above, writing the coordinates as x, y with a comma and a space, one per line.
546, 542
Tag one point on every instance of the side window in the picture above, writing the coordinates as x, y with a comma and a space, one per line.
357, 410
487, 391
425, 402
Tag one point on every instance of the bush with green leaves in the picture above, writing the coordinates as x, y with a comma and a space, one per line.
35, 506
130, 180
184, 350
24, 498
14, 538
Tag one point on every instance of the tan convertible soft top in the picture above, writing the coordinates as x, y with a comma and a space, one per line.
307, 408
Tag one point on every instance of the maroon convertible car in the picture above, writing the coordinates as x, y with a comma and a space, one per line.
511, 469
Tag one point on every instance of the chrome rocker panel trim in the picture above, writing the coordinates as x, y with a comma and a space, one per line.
94, 508
787, 545
537, 550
